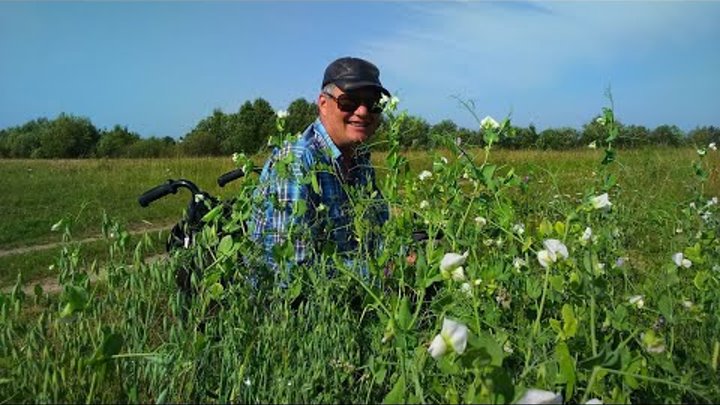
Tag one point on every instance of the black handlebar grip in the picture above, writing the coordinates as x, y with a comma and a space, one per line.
230, 176
157, 192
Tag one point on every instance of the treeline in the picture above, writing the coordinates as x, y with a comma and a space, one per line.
248, 129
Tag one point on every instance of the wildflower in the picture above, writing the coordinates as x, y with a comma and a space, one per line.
458, 141
536, 396
712, 146
444, 159
518, 263
692, 205
453, 335
281, 114
247, 382
553, 249
680, 260
424, 175
688, 304
458, 274
424, 204
600, 120
592, 145
507, 347
466, 288
601, 202
489, 123
587, 234
451, 262
594, 401
389, 102
652, 342
481, 221
711, 202
518, 229
235, 157
637, 300
620, 261
503, 298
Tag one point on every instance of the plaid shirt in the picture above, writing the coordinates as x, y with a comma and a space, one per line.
303, 197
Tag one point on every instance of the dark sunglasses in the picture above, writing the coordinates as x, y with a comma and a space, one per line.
348, 103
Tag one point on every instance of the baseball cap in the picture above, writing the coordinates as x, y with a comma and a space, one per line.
350, 73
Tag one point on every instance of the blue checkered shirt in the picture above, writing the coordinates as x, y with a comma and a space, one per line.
304, 199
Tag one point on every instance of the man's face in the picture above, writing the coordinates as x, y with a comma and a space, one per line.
350, 118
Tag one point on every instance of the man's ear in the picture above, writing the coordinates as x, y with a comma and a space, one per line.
322, 104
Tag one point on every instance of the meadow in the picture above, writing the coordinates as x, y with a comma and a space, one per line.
580, 276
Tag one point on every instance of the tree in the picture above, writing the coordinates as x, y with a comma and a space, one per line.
253, 125
301, 113
561, 138
68, 137
667, 135
115, 143
200, 143
445, 128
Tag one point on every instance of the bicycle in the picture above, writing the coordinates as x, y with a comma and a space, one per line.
183, 234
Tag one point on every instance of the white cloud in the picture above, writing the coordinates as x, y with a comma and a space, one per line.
518, 54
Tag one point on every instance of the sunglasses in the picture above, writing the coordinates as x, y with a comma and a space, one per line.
347, 103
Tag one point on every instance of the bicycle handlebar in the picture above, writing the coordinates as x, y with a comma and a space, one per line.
232, 175
171, 187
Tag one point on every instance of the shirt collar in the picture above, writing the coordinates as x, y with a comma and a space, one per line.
324, 137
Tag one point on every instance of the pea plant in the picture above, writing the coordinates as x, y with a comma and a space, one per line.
507, 300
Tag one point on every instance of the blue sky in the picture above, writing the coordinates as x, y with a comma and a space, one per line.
160, 67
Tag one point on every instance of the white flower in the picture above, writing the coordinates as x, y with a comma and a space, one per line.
601, 202
247, 382
481, 221
680, 260
424, 204
711, 202
556, 247
518, 263
488, 122
458, 274
600, 120
637, 300
712, 146
587, 234
701, 152
466, 288
546, 258
281, 114
592, 145
235, 157
507, 347
594, 401
444, 159
453, 335
536, 396
688, 304
389, 102
518, 229
424, 175
692, 205
451, 261
451, 266
553, 249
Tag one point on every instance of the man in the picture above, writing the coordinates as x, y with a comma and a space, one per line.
310, 187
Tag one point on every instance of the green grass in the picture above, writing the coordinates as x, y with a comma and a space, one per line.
38, 193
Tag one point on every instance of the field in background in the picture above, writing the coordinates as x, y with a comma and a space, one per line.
654, 185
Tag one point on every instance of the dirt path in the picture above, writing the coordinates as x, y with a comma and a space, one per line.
45, 246
51, 286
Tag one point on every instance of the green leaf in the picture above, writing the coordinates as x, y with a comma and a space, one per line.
227, 247
403, 314
570, 322
397, 394
567, 368
212, 214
